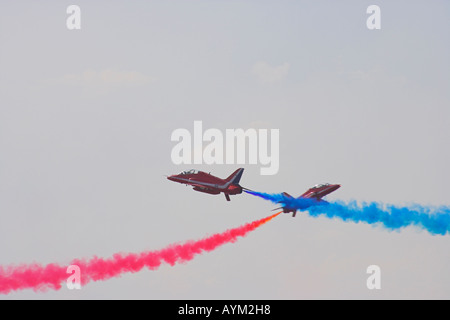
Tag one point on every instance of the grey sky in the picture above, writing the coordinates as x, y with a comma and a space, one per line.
86, 118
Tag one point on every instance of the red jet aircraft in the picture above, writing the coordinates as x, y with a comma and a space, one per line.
315, 194
206, 182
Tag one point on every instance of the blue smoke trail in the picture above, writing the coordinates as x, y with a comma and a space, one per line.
434, 220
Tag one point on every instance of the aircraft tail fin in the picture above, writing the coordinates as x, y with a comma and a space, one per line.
287, 195
235, 177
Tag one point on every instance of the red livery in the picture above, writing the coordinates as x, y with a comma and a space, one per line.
207, 183
315, 193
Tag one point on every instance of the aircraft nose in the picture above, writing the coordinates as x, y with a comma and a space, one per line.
171, 178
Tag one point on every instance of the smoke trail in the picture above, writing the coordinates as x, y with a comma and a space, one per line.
434, 220
51, 276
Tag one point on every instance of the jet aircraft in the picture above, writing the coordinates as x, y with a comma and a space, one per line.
312, 196
207, 183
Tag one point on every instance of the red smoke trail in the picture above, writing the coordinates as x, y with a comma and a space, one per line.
51, 276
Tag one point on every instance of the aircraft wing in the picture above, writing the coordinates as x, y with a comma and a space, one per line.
198, 185
311, 194
314, 195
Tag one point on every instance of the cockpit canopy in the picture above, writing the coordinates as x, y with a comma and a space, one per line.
320, 185
192, 171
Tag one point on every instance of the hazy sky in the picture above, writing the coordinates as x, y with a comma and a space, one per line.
86, 118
